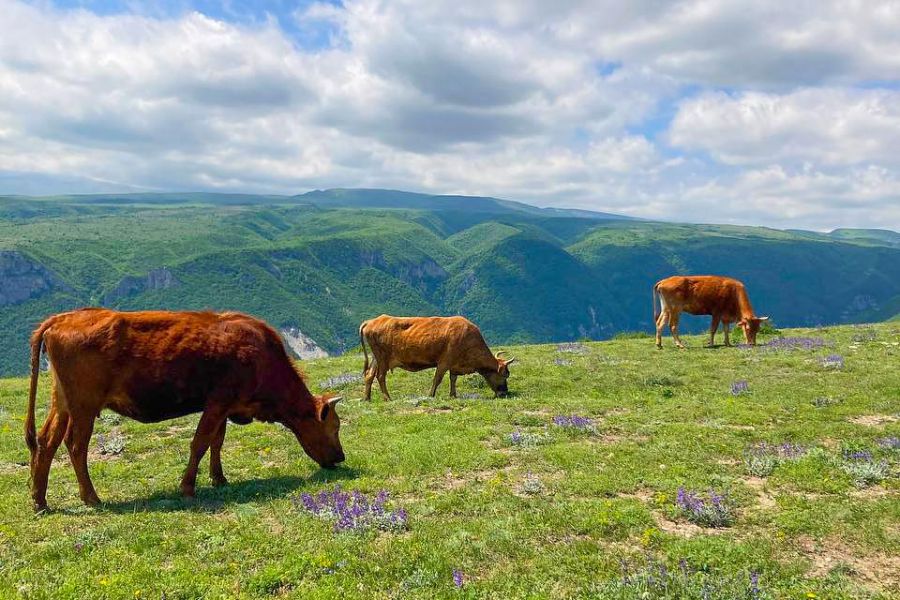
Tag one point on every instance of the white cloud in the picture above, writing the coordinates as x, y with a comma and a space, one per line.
554, 103
828, 126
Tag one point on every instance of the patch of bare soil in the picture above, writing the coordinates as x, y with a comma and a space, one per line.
874, 420
680, 528
452, 481
11, 468
876, 571
764, 499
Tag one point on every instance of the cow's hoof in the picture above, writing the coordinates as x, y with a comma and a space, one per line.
92, 501
188, 491
659, 346
40, 508
219, 481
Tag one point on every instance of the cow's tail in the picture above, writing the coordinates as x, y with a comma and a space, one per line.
654, 300
37, 341
362, 342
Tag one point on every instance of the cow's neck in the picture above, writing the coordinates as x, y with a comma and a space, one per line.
744, 306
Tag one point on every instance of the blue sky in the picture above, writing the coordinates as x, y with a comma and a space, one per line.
728, 111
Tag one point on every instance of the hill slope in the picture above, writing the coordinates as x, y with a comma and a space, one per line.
324, 261
519, 506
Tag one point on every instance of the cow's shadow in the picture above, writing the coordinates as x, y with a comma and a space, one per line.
215, 499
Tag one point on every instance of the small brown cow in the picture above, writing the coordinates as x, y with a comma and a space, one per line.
722, 297
152, 366
451, 344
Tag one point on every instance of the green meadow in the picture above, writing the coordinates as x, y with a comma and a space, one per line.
500, 501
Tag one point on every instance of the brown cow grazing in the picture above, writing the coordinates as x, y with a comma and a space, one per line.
159, 365
451, 344
722, 297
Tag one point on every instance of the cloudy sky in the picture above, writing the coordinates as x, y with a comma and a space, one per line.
778, 113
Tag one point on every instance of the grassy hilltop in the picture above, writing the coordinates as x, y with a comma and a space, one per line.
500, 501
324, 261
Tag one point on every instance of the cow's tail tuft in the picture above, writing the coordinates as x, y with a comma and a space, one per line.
37, 340
362, 342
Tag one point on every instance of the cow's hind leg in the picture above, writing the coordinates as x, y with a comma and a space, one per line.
673, 326
216, 474
78, 439
370, 379
382, 383
49, 439
713, 326
660, 324
211, 422
438, 376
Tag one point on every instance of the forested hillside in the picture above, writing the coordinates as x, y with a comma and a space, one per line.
322, 262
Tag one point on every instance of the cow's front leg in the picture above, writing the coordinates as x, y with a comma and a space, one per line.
210, 422
438, 376
712, 331
78, 437
726, 326
216, 474
453, 377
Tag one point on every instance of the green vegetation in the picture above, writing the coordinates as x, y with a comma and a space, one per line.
325, 261
489, 517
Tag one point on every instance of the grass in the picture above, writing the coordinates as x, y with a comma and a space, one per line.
488, 518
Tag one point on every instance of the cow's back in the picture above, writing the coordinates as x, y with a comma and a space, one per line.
703, 294
419, 342
155, 365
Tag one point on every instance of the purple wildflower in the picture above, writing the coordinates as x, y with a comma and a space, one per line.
739, 387
711, 511
459, 578
890, 443
858, 455
574, 422
795, 343
352, 511
754, 585
833, 361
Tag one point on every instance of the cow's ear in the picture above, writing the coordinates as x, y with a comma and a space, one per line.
327, 406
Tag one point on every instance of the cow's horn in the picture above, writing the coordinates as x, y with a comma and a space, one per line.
763, 318
333, 401
511, 361
499, 352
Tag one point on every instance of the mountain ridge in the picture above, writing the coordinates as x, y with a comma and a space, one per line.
321, 267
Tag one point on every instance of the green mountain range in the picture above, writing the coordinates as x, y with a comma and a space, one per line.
320, 263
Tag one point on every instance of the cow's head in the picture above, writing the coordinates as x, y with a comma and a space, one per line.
750, 325
496, 376
317, 431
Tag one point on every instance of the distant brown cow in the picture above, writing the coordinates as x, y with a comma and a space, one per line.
451, 344
153, 366
722, 297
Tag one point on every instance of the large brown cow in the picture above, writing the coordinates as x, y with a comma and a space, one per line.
722, 297
449, 344
152, 366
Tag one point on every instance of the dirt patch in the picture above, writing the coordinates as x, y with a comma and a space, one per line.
684, 529
453, 481
875, 571
644, 495
764, 499
874, 420
874, 492
11, 468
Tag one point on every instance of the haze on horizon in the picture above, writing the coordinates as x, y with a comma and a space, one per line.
756, 113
